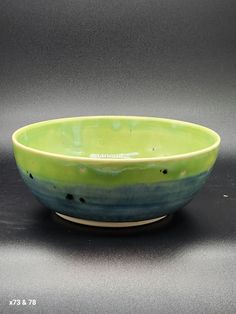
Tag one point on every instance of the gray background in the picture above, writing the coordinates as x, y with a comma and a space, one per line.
155, 58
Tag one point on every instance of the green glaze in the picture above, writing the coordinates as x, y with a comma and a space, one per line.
137, 150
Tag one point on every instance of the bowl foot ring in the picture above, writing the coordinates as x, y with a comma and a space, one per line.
107, 224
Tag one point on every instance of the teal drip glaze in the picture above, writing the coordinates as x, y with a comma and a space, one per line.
124, 203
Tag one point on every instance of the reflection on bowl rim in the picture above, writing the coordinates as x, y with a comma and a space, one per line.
116, 160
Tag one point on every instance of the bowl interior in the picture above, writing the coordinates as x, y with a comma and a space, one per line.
116, 137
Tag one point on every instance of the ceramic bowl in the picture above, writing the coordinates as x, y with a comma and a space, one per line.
115, 171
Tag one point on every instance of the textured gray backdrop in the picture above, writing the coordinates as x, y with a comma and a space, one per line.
164, 58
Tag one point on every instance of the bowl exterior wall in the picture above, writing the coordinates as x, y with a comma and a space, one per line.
113, 190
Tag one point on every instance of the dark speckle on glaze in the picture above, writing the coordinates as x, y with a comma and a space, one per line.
30, 175
165, 171
69, 196
82, 200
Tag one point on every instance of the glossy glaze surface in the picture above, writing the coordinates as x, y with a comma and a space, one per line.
123, 203
115, 168
116, 137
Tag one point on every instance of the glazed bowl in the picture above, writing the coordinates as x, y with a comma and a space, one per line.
115, 171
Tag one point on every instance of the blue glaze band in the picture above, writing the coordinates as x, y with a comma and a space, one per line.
126, 203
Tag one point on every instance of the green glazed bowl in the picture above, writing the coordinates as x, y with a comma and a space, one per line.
115, 171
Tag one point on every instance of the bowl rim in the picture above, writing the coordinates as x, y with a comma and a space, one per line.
117, 160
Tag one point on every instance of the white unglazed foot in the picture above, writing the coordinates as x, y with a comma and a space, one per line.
108, 224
